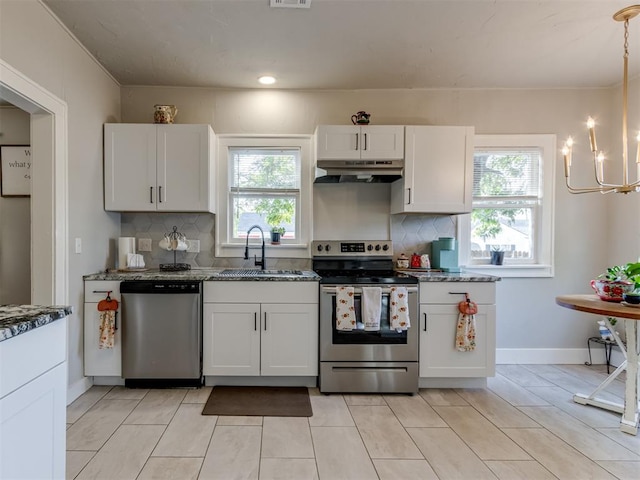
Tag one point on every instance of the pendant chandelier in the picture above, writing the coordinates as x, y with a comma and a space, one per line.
623, 15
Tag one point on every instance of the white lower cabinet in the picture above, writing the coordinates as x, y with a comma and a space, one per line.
33, 399
100, 362
438, 320
242, 338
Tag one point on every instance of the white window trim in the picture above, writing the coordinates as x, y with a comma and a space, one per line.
545, 267
302, 247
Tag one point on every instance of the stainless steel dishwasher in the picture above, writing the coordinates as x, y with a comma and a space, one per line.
161, 333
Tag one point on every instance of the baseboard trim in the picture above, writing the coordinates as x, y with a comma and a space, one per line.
554, 355
78, 388
212, 381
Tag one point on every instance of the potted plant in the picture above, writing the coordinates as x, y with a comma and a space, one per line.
497, 255
616, 281
276, 233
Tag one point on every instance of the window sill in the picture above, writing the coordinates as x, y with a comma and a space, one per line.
512, 271
284, 250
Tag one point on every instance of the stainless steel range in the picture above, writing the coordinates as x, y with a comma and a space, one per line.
364, 359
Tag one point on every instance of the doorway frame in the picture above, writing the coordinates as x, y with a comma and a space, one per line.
49, 184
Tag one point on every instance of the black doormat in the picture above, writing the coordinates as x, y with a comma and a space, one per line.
259, 401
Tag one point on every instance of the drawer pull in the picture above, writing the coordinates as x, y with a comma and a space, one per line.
458, 293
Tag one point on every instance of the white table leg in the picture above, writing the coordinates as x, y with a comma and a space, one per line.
629, 421
629, 411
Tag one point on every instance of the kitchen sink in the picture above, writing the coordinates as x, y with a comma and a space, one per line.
252, 272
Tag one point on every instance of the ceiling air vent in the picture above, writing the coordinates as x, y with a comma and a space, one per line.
290, 3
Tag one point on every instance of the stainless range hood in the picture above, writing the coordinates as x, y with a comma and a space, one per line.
358, 171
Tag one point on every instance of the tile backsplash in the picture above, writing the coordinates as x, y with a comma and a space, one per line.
410, 233
413, 233
195, 226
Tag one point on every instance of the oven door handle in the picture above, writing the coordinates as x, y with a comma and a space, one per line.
359, 290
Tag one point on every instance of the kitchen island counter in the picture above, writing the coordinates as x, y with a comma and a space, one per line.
33, 390
18, 319
206, 274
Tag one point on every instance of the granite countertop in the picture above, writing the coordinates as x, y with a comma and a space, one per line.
205, 274
17, 319
438, 276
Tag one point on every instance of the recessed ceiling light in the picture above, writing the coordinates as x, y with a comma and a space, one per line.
267, 80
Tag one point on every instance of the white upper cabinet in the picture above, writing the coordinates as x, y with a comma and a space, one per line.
164, 168
345, 142
438, 174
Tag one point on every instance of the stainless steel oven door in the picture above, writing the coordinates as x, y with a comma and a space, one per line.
359, 345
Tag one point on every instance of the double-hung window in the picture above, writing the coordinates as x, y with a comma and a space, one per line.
264, 190
512, 205
264, 181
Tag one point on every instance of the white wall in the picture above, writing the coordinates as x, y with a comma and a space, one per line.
15, 218
528, 317
34, 42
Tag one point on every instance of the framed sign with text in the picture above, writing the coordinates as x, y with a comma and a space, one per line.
15, 170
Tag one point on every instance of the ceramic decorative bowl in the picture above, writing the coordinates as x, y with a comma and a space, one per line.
612, 291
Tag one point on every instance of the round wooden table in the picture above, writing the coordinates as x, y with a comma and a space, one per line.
630, 316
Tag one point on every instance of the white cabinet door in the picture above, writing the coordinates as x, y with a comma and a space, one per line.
100, 362
338, 142
289, 339
346, 142
130, 167
33, 429
438, 175
183, 167
380, 142
231, 339
164, 168
438, 354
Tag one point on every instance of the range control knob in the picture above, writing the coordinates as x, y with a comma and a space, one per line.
385, 247
369, 247
378, 248
327, 247
319, 247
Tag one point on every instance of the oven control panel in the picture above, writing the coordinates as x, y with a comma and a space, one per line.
351, 248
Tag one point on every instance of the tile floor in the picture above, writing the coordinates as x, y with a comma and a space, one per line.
524, 425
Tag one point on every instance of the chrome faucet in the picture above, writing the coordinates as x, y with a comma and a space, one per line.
261, 262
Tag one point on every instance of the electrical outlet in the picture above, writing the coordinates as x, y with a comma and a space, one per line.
193, 246
144, 244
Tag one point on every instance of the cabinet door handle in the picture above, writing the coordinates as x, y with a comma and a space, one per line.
425, 322
265, 321
160, 194
255, 322
409, 196
365, 141
357, 138
150, 194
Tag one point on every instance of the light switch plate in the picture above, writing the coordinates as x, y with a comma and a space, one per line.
144, 244
193, 246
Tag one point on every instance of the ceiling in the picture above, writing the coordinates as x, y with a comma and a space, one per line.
356, 44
